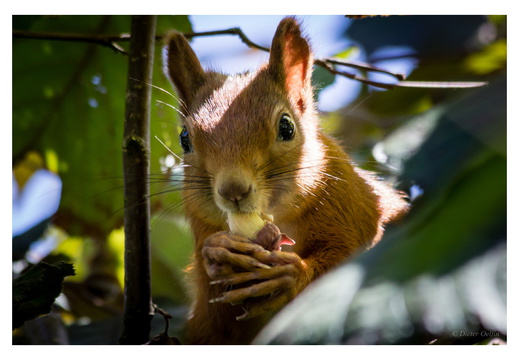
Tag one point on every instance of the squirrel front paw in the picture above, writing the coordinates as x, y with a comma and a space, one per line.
226, 254
264, 289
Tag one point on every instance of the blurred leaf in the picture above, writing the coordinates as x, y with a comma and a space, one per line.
178, 22
431, 34
116, 247
390, 103
497, 19
23, 171
25, 22
79, 251
34, 292
491, 58
349, 52
455, 305
455, 132
321, 78
171, 249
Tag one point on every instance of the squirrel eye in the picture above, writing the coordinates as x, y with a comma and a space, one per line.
185, 142
287, 128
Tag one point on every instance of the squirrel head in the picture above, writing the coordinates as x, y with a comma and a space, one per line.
251, 140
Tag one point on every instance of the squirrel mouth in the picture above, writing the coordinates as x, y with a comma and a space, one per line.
265, 216
237, 207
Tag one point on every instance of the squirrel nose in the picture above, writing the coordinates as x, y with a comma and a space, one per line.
235, 191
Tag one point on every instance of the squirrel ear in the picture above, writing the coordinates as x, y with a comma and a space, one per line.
291, 62
183, 67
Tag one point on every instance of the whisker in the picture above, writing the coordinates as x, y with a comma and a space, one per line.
355, 106
161, 89
167, 148
171, 106
169, 209
274, 159
277, 171
158, 88
180, 101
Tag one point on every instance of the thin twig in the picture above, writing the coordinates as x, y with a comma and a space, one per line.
109, 41
362, 66
356, 77
403, 84
231, 31
326, 63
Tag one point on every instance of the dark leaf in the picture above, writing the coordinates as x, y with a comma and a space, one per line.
427, 34
35, 291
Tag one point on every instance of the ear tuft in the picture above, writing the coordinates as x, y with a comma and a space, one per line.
291, 62
182, 66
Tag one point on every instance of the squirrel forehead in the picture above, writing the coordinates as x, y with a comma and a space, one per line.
234, 103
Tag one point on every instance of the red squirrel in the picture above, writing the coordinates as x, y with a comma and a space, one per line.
252, 144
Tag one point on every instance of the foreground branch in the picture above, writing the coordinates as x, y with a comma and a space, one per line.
138, 309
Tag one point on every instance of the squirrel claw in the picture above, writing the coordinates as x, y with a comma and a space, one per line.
216, 300
224, 252
243, 316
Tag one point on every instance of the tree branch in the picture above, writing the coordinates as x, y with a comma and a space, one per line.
104, 40
138, 308
326, 63
360, 66
231, 31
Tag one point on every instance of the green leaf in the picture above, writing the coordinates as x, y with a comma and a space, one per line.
348, 52
491, 58
171, 250
35, 291
321, 78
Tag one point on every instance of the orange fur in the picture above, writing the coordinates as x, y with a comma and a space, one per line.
317, 197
